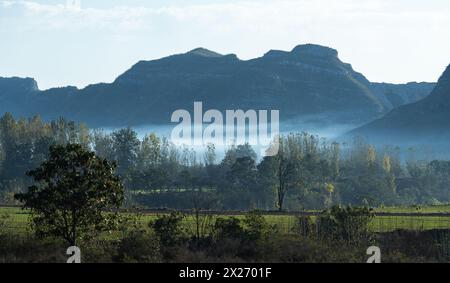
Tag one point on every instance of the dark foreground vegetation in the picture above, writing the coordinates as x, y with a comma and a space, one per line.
339, 235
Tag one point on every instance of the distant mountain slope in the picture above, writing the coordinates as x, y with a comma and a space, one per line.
309, 81
395, 95
427, 120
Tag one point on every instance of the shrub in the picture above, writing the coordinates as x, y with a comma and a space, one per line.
169, 229
345, 224
256, 227
27, 249
228, 228
139, 247
171, 234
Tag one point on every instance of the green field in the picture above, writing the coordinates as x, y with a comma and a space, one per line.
15, 220
445, 208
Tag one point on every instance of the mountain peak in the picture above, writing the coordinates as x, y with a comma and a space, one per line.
315, 50
204, 52
28, 84
442, 90
306, 50
445, 77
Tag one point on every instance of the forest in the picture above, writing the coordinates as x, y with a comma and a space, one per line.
308, 172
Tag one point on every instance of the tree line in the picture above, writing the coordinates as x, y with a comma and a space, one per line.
307, 173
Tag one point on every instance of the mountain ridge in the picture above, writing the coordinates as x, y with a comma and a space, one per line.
426, 119
308, 80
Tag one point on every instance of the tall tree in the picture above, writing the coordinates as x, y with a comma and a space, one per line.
126, 147
149, 155
72, 192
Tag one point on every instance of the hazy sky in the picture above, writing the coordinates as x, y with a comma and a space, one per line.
95, 41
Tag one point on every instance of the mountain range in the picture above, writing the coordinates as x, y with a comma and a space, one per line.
309, 83
425, 121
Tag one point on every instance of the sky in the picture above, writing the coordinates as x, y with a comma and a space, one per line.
78, 43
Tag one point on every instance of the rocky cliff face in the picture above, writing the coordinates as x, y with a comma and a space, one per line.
16, 94
17, 85
309, 81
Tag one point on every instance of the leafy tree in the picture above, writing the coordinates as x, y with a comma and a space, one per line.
243, 173
149, 155
240, 190
75, 193
103, 145
126, 147
210, 155
390, 176
287, 166
335, 154
329, 188
239, 151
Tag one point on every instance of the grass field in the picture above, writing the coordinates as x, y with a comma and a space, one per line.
416, 209
16, 220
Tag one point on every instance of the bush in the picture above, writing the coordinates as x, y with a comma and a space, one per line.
241, 239
139, 247
27, 249
285, 248
169, 229
98, 251
171, 234
228, 228
256, 227
348, 224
